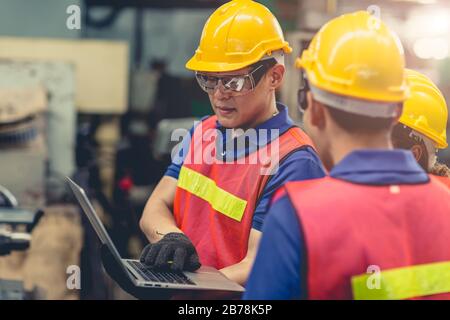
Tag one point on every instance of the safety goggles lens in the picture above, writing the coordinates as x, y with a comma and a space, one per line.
302, 93
230, 83
236, 84
206, 82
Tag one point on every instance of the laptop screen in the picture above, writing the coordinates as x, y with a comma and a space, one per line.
95, 221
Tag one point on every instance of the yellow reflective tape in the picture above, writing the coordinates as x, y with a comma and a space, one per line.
206, 189
403, 283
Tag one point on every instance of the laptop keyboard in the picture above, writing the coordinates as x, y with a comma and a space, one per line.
160, 276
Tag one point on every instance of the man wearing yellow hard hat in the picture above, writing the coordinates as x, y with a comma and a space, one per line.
211, 212
423, 124
366, 230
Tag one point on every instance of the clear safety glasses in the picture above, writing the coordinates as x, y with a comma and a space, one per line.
302, 92
236, 84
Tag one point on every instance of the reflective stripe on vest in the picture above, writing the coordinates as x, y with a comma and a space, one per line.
403, 283
206, 189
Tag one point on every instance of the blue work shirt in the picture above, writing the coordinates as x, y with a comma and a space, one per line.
279, 270
300, 165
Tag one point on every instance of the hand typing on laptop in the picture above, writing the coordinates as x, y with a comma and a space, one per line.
174, 251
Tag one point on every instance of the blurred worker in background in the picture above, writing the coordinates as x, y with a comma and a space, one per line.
422, 126
211, 213
325, 238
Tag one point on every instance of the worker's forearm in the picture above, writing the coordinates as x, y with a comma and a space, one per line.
239, 272
157, 220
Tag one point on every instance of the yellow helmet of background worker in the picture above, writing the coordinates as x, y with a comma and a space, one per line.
236, 35
425, 111
357, 56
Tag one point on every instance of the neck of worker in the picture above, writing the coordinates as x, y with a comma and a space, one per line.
344, 143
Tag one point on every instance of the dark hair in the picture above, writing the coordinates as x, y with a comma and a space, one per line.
354, 123
401, 138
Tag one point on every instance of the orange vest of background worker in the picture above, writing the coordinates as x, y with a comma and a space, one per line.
423, 124
210, 206
378, 227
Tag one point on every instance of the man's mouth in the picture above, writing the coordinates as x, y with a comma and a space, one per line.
225, 111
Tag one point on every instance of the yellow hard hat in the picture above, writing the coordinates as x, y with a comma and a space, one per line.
357, 56
236, 35
425, 111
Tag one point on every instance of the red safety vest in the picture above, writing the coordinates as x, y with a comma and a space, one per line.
353, 231
214, 202
444, 180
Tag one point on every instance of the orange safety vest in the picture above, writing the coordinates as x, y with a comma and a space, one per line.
374, 242
214, 202
444, 180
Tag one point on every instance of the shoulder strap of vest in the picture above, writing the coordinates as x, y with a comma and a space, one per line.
210, 122
304, 141
203, 125
442, 180
298, 135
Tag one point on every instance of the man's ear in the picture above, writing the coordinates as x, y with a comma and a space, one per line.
398, 112
276, 76
417, 152
317, 112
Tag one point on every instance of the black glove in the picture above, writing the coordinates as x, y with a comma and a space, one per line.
174, 250
115, 271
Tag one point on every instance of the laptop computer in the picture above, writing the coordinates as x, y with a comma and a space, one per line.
205, 278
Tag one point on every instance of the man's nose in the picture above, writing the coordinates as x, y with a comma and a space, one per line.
220, 92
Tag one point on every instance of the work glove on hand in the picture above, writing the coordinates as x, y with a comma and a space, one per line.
174, 250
